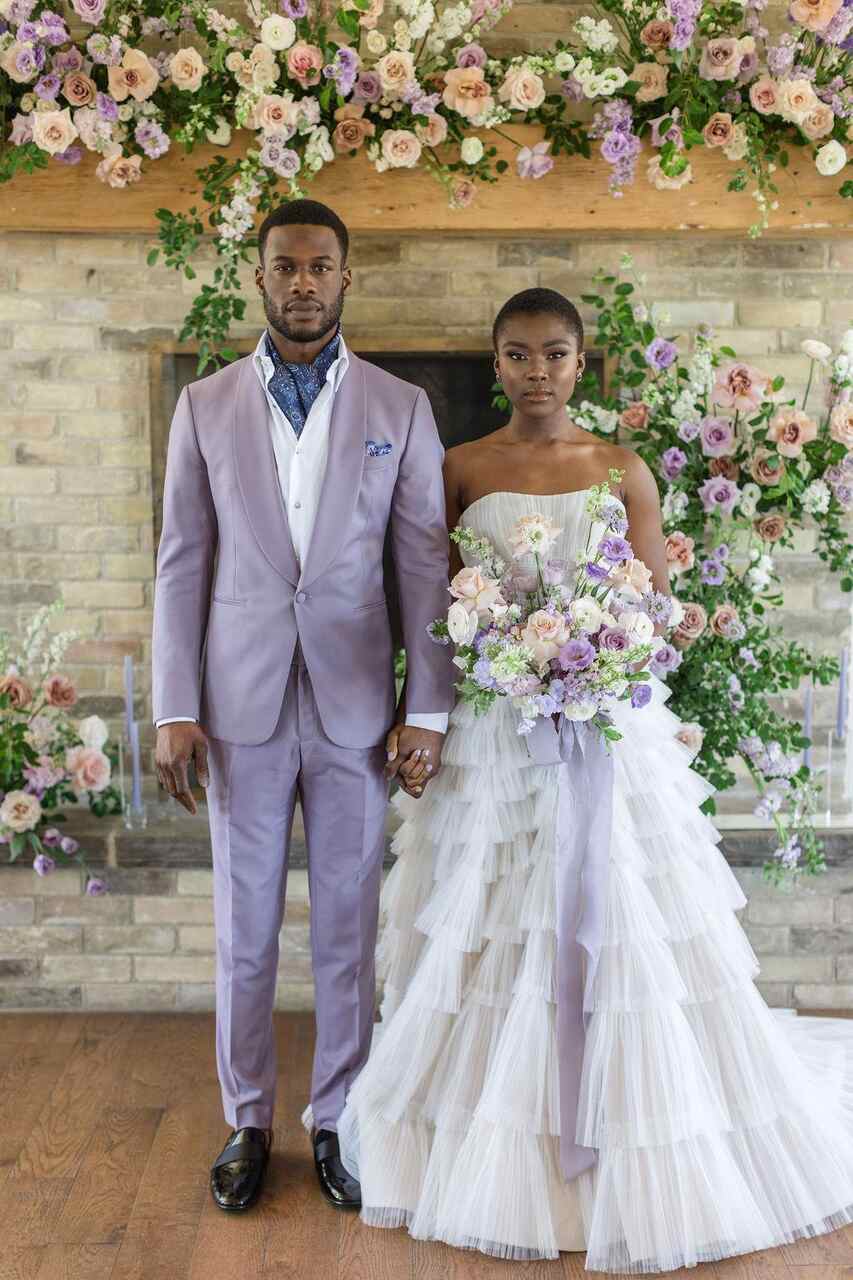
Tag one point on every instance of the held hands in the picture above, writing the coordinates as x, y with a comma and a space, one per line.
177, 744
414, 756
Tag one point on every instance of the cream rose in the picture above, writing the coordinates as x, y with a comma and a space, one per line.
545, 634
278, 31
816, 15
136, 76
187, 70
652, 77
721, 58
796, 99
691, 735
53, 131
118, 170
467, 91
722, 619
473, 590
631, 579
401, 148
679, 552
395, 70
638, 626
841, 424
20, 811
275, 114
818, 123
522, 90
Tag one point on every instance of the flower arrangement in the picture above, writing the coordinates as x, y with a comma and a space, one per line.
740, 468
127, 79
46, 758
555, 639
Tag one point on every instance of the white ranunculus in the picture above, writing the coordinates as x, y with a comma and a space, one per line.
831, 158
579, 710
278, 31
638, 626
816, 350
471, 150
93, 732
585, 613
461, 625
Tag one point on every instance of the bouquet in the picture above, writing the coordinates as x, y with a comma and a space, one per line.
557, 639
47, 759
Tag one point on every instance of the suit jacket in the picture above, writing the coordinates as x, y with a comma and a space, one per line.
230, 599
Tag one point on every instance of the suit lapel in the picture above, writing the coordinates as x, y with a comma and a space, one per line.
342, 481
257, 475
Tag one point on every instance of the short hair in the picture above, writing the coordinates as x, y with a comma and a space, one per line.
531, 302
304, 213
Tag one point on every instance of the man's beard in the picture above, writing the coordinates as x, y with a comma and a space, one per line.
325, 319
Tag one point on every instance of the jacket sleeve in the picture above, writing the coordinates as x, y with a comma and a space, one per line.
185, 561
420, 547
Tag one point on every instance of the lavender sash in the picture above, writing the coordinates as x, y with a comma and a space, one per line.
584, 820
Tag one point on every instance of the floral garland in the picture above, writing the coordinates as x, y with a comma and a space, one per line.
681, 73
740, 468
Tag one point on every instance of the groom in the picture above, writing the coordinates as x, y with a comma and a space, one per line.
273, 666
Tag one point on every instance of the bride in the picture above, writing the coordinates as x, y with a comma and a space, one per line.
705, 1125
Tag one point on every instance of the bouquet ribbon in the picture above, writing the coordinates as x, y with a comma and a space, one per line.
583, 829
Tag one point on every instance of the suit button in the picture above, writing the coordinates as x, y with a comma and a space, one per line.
301, 597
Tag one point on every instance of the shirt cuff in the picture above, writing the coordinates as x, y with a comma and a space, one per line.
436, 721
176, 720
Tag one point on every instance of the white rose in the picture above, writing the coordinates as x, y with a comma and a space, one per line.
278, 32
816, 350
461, 625
93, 732
638, 626
579, 710
831, 158
585, 613
376, 42
472, 150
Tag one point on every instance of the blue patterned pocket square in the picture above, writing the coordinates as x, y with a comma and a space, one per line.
377, 448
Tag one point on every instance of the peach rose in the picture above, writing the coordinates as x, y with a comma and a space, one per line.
19, 692
632, 579
433, 133
816, 15
769, 528
545, 634
657, 35
351, 129
59, 691
790, 429
635, 416
739, 386
79, 89
187, 70
395, 69
719, 131
693, 622
466, 91
89, 769
764, 95
117, 170
275, 114
136, 75
679, 552
726, 467
691, 735
652, 77
304, 63
722, 619
841, 424
20, 811
400, 148
522, 90
53, 131
797, 99
819, 122
763, 470
474, 591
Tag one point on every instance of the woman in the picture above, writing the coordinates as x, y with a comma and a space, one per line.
702, 1124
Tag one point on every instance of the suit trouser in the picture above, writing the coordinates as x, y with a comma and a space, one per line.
251, 798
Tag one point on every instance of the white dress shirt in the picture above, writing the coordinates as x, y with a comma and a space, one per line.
301, 465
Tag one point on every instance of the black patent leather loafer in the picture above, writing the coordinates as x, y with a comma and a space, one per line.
237, 1175
337, 1186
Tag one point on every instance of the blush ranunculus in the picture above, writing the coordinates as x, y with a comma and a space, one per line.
89, 769
790, 429
467, 91
739, 386
679, 552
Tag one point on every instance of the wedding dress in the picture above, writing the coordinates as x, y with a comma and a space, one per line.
719, 1126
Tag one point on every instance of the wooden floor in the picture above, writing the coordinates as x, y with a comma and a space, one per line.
109, 1124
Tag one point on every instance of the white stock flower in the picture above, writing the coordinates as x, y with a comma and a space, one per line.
816, 498
830, 159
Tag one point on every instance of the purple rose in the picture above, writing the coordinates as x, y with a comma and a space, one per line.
666, 660
615, 549
660, 353
641, 695
51, 837
43, 864
688, 431
673, 462
616, 146
576, 655
471, 55
718, 438
614, 639
368, 87
713, 572
95, 887
718, 494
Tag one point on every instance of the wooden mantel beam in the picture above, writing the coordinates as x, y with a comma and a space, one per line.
572, 200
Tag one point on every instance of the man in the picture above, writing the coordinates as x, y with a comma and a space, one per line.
273, 671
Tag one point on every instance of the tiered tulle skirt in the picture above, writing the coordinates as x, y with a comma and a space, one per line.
721, 1127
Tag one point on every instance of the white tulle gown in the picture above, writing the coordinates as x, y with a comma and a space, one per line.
721, 1127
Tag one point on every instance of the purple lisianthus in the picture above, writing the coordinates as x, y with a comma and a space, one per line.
534, 162
672, 463
614, 639
718, 438
95, 887
294, 9
572, 89
641, 695
343, 70
615, 146
281, 159
66, 61
43, 864
660, 353
71, 155
722, 552
576, 655
664, 661
615, 549
30, 60
48, 87
471, 55
688, 431
68, 845
597, 572
51, 837
713, 572
718, 494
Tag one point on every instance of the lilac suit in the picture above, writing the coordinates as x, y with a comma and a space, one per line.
289, 671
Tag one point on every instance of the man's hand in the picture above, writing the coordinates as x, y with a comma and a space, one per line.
177, 744
414, 756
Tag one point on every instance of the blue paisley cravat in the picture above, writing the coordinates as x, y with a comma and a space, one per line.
295, 387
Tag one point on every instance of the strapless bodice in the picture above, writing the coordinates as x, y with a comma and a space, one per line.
494, 515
